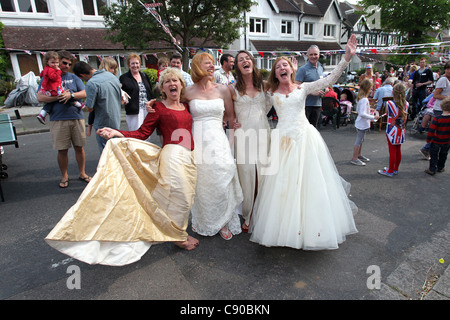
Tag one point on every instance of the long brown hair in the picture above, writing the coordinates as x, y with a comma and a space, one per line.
256, 75
399, 94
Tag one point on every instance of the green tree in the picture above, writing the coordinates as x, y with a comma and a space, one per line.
5, 61
414, 19
188, 20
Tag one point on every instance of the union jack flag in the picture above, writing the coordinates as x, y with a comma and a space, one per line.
395, 128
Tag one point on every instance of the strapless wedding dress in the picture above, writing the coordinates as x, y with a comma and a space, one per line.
218, 193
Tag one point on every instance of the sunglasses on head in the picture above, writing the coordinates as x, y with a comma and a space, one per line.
67, 63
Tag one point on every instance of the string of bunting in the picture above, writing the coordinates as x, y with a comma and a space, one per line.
369, 53
151, 8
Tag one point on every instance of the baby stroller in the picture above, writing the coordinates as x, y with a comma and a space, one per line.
427, 109
345, 117
417, 123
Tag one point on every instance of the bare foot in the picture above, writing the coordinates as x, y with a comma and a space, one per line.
190, 244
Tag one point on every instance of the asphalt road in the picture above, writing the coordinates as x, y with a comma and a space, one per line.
403, 240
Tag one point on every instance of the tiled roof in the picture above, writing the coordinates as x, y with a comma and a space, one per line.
51, 38
349, 18
312, 7
287, 6
84, 39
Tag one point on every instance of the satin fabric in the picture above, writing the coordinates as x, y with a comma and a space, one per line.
140, 195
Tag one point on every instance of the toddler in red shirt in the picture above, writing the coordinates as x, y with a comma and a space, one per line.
51, 84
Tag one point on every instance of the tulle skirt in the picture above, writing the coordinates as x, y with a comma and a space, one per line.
303, 204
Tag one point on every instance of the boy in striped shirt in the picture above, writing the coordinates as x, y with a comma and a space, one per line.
439, 137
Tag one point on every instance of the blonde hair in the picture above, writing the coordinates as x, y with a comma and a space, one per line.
49, 55
273, 82
133, 55
109, 63
364, 89
196, 66
445, 104
170, 73
399, 94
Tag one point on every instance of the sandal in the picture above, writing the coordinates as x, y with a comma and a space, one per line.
226, 234
64, 183
85, 179
244, 227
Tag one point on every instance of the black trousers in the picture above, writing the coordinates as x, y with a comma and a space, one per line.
416, 104
313, 114
438, 156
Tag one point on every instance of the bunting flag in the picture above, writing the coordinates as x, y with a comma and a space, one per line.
151, 8
439, 51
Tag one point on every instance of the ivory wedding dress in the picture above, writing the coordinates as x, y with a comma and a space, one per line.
251, 145
304, 203
218, 193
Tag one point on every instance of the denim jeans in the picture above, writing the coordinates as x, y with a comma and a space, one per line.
438, 155
101, 142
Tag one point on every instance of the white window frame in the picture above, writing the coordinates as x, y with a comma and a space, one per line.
308, 29
96, 14
287, 24
333, 59
329, 31
33, 8
263, 23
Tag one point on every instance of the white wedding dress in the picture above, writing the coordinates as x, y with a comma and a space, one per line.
218, 193
304, 203
251, 145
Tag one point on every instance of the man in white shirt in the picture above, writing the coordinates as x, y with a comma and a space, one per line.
224, 75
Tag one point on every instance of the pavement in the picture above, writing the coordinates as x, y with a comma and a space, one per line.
401, 251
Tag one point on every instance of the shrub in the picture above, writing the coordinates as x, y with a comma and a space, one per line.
152, 75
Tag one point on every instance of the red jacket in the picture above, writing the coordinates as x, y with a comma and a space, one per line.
51, 79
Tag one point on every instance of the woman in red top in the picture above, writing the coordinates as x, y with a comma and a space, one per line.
141, 194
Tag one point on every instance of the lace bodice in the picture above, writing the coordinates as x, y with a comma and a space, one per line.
250, 109
291, 108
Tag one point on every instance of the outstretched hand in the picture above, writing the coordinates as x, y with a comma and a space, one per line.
294, 63
149, 106
108, 133
350, 48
